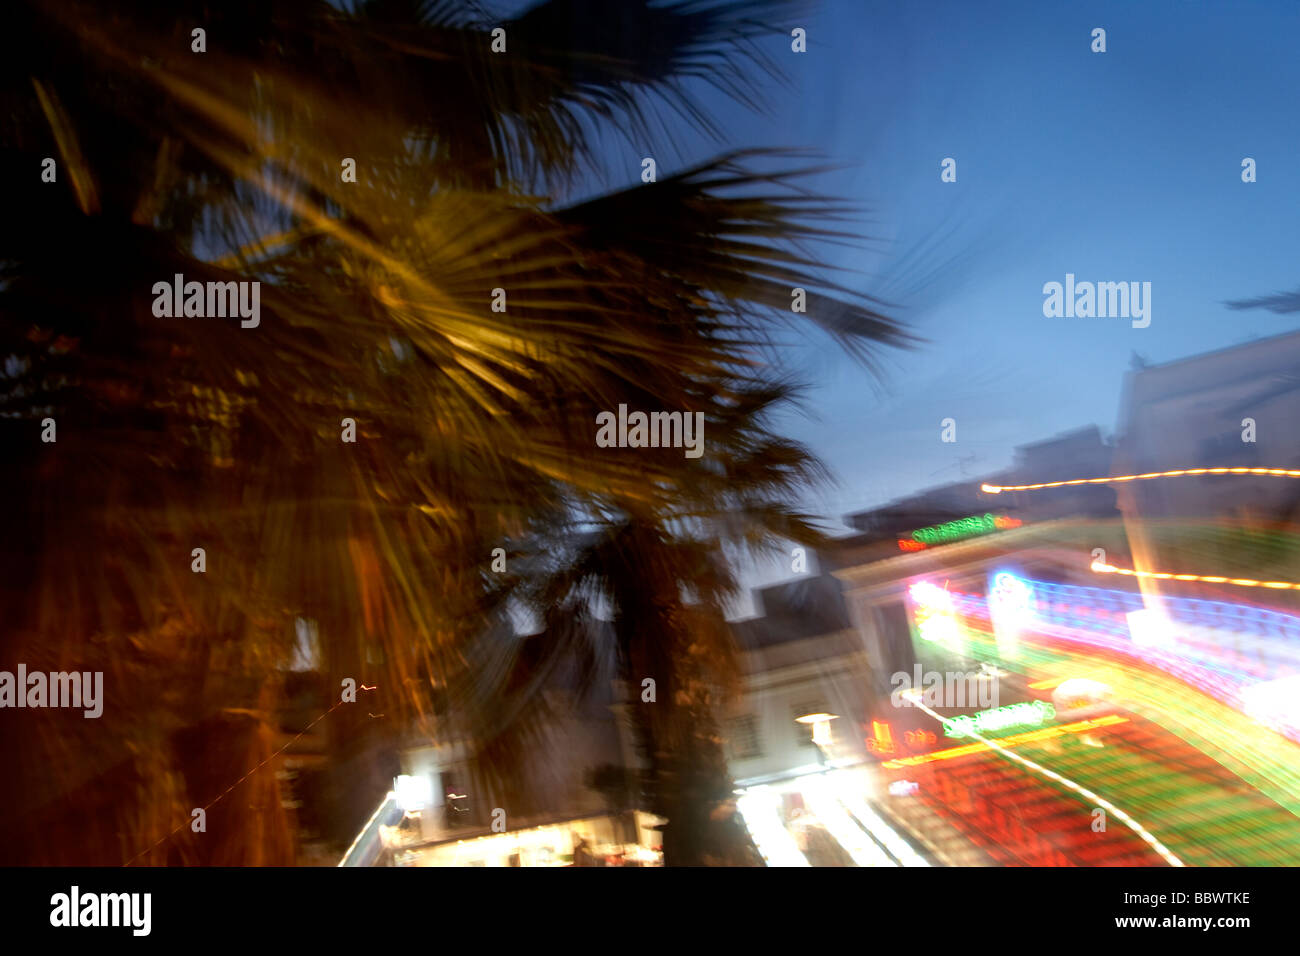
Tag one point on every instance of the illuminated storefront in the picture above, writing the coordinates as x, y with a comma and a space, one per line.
591, 841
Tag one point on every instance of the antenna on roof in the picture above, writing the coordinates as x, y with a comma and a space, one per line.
963, 462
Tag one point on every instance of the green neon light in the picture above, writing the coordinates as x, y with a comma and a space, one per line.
1029, 714
964, 528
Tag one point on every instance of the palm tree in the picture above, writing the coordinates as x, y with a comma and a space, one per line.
665, 571
473, 426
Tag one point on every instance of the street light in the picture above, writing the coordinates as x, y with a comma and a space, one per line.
414, 793
821, 725
821, 736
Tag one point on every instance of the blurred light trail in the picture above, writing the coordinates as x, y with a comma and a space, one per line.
1047, 684
1096, 798
1263, 643
1203, 814
760, 809
369, 833
1263, 757
935, 616
1180, 472
1229, 644
1198, 692
881, 831
821, 795
1206, 578
1274, 703
1032, 736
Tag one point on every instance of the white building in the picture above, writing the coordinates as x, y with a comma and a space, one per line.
1237, 407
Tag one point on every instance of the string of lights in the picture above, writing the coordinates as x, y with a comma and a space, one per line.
1177, 473
215, 800
1100, 568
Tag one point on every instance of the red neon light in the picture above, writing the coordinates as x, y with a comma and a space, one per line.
883, 741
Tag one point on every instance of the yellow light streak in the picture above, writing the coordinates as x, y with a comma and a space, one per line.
1177, 473
1205, 578
1047, 684
1047, 733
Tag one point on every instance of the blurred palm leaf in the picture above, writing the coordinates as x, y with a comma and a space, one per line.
475, 427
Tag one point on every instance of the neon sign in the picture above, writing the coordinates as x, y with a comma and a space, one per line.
1029, 714
923, 538
883, 741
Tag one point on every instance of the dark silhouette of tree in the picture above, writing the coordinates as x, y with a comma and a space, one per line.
474, 427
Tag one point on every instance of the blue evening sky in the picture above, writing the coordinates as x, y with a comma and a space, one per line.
1115, 166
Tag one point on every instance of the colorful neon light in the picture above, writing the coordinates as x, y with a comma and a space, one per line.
954, 530
1102, 609
1193, 701
1274, 703
1084, 792
1011, 610
935, 615
1187, 701
1010, 592
1028, 714
1206, 578
1180, 472
882, 740
1047, 684
1031, 736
